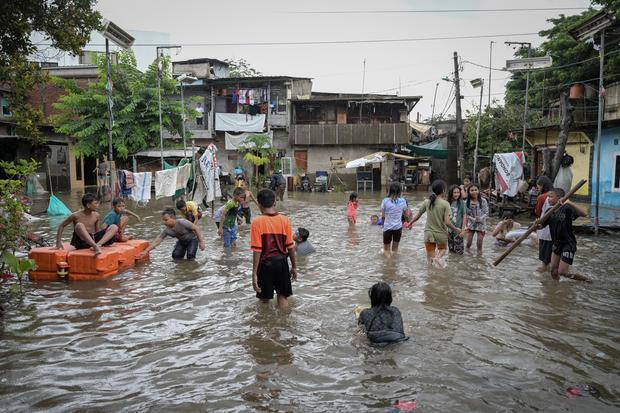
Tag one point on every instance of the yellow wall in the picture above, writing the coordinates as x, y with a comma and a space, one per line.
577, 142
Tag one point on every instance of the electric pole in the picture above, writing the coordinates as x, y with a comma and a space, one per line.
459, 122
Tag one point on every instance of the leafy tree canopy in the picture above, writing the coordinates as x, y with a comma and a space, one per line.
573, 62
241, 68
65, 24
135, 109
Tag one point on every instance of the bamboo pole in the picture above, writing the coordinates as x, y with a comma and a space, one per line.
542, 219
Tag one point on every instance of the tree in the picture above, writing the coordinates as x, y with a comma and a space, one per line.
241, 68
135, 109
573, 62
66, 24
500, 130
257, 150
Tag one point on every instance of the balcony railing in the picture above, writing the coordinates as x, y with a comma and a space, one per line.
351, 134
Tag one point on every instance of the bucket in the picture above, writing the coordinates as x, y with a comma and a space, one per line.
576, 91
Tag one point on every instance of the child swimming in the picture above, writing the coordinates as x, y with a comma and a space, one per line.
382, 323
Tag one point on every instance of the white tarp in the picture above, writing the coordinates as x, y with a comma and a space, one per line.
208, 180
375, 158
508, 172
239, 122
233, 141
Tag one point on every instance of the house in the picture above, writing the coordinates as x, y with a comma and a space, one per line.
579, 146
337, 126
235, 107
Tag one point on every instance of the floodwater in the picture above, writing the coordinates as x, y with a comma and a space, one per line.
191, 336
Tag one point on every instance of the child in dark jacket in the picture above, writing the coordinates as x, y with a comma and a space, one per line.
382, 323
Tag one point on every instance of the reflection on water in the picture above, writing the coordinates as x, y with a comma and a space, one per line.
191, 336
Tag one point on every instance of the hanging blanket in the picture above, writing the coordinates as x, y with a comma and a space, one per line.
233, 141
141, 191
239, 122
166, 182
128, 179
183, 176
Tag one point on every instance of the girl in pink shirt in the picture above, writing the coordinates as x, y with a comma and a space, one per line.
352, 208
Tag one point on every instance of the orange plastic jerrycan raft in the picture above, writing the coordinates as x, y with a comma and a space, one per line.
83, 264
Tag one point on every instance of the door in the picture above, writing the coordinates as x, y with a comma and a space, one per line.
376, 178
90, 174
301, 160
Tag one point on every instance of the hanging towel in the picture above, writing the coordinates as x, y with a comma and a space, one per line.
129, 180
166, 182
183, 176
141, 191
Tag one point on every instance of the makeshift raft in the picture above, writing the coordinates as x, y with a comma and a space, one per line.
83, 265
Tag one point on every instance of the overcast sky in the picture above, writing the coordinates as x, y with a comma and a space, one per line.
417, 66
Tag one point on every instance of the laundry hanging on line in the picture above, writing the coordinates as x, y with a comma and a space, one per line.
141, 191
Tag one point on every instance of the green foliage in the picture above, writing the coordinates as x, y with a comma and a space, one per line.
65, 24
13, 230
241, 68
257, 150
496, 125
135, 109
546, 84
18, 266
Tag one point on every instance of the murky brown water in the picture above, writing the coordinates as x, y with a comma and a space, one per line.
191, 336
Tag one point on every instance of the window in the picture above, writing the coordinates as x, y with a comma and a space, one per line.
287, 166
616, 185
6, 109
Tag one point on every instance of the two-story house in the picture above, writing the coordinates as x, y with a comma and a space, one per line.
334, 126
235, 107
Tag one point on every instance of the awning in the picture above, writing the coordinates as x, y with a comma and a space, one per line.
168, 153
376, 157
432, 149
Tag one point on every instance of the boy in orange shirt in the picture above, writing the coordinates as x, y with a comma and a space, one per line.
272, 244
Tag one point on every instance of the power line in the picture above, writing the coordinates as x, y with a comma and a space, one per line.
319, 42
437, 11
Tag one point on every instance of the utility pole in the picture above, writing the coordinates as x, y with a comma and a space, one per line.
490, 61
433, 110
159, 51
459, 122
108, 87
527, 89
599, 123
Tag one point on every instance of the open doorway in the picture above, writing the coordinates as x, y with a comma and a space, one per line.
90, 174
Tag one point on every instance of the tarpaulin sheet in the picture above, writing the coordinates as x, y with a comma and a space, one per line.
508, 172
239, 122
233, 141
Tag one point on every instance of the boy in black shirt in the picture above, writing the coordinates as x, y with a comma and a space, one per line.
564, 243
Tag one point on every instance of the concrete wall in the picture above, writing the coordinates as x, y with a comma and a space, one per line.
610, 150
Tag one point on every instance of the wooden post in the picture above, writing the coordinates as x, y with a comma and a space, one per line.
566, 110
542, 219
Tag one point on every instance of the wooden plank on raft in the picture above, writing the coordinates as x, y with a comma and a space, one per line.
542, 219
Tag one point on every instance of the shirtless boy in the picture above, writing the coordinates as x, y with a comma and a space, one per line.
87, 230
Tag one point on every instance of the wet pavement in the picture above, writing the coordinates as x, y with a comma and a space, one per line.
191, 336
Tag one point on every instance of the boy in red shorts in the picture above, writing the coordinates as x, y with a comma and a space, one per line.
272, 245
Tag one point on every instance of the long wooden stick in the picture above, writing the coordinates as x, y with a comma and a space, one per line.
542, 219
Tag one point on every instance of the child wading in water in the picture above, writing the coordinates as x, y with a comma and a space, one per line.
564, 242
544, 185
272, 246
392, 209
437, 223
382, 323
477, 212
352, 208
458, 217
